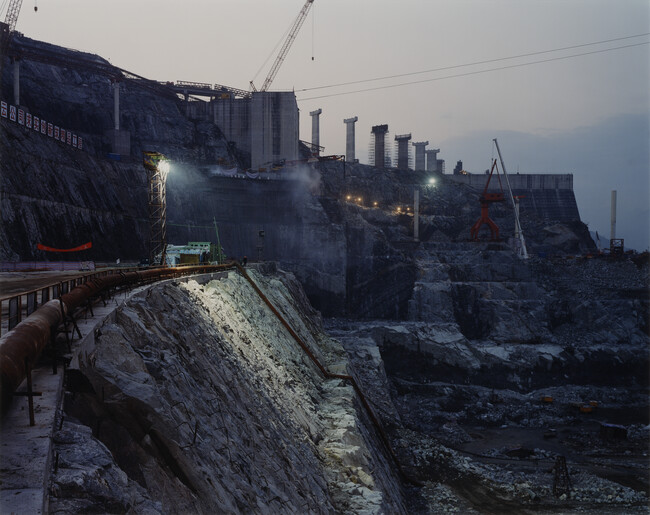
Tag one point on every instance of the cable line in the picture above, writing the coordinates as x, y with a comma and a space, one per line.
468, 73
473, 64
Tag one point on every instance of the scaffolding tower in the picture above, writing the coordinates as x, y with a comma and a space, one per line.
157, 167
378, 151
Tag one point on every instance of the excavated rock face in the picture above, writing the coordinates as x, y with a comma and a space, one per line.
207, 405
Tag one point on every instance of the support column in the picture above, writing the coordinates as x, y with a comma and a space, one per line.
116, 104
403, 151
416, 215
315, 131
349, 139
16, 81
432, 160
420, 155
612, 232
379, 132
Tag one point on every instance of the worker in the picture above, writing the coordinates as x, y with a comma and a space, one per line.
244, 261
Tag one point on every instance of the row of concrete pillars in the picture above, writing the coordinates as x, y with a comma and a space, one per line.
424, 159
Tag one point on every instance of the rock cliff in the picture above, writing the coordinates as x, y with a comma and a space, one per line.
200, 401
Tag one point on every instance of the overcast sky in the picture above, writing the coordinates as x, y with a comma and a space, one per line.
598, 101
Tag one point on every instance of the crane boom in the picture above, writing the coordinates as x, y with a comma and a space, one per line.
12, 13
287, 44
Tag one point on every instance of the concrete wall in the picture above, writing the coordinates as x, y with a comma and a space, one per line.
549, 196
274, 127
519, 181
232, 116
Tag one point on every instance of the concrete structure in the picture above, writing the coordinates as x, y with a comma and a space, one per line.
274, 126
612, 228
416, 215
379, 157
458, 168
432, 160
349, 139
232, 116
264, 125
315, 131
549, 196
403, 154
420, 154
16, 81
119, 141
116, 104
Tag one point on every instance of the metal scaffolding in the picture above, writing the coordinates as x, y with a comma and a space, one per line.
157, 167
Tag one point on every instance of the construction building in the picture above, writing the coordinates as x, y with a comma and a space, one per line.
403, 151
433, 163
379, 152
420, 154
264, 124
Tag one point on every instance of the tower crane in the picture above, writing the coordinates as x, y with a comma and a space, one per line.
293, 32
13, 10
7, 30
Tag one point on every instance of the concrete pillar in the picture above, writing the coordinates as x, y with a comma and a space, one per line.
17, 82
380, 132
349, 139
116, 104
416, 215
612, 232
403, 151
420, 155
315, 131
432, 160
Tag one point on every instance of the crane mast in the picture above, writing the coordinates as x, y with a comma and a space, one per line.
522, 251
293, 32
13, 10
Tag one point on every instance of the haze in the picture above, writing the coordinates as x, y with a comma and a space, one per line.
585, 115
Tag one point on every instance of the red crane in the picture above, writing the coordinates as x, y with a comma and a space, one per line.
486, 199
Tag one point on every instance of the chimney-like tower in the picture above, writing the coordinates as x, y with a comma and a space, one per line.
379, 144
420, 149
315, 131
349, 139
432, 160
403, 151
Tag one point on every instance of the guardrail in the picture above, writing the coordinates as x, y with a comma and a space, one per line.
23, 344
15, 307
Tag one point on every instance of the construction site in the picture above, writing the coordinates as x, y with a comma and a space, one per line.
202, 313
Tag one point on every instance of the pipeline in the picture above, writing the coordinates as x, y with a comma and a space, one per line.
21, 347
328, 375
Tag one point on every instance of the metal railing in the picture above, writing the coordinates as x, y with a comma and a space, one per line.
18, 306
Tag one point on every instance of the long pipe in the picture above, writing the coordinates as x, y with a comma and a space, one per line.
25, 342
328, 375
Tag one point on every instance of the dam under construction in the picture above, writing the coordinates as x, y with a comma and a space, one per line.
332, 338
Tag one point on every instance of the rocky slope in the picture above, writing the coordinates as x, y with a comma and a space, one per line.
200, 401
353, 258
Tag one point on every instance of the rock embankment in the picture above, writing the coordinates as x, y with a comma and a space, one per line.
207, 405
